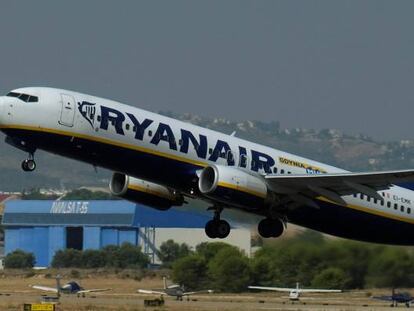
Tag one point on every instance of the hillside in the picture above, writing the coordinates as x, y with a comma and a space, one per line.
352, 152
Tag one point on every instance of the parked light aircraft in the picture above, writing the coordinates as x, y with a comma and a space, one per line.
159, 160
174, 290
69, 288
294, 293
397, 298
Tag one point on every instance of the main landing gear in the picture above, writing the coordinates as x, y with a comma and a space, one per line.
271, 228
29, 165
217, 228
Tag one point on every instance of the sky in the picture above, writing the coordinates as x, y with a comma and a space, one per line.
347, 65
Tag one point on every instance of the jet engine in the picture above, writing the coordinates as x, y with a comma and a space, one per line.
233, 186
144, 192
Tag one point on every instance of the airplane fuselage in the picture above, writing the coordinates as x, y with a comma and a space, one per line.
169, 152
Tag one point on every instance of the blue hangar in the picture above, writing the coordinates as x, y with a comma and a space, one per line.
43, 227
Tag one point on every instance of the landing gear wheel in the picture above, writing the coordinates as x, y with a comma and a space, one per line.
211, 229
222, 229
28, 165
270, 228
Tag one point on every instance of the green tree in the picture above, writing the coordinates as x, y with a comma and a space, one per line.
209, 250
170, 251
229, 270
67, 258
92, 258
131, 256
19, 260
394, 267
190, 271
333, 278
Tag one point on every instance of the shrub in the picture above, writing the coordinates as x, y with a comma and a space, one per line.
19, 260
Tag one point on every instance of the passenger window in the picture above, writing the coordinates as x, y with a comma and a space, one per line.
275, 170
243, 160
408, 210
127, 127
134, 128
210, 150
289, 172
149, 133
388, 204
375, 201
282, 171
368, 199
361, 196
402, 208
395, 206
382, 202
180, 142
98, 118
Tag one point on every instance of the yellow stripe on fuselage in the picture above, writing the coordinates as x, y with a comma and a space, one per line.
238, 188
370, 210
105, 141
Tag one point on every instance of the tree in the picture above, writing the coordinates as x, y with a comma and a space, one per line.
85, 194
333, 278
229, 270
92, 258
170, 251
67, 258
19, 260
130, 256
190, 271
209, 250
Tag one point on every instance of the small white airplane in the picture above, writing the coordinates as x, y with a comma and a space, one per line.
174, 290
69, 288
294, 293
158, 161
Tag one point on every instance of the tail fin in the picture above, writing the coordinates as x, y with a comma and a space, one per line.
165, 282
58, 287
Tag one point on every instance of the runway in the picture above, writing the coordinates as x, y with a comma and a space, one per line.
231, 302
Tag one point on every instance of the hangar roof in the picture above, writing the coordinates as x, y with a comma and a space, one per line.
97, 213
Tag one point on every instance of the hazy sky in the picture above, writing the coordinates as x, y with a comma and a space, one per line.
313, 64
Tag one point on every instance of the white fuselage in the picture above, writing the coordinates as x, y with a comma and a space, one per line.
89, 128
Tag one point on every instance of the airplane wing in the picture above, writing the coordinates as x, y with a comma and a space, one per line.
45, 288
210, 291
151, 292
276, 289
310, 290
334, 185
96, 290
386, 298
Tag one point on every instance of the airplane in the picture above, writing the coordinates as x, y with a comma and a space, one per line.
397, 298
160, 161
69, 288
174, 290
294, 293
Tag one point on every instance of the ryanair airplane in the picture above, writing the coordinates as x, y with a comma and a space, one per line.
158, 161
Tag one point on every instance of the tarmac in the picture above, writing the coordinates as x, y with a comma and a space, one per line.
345, 301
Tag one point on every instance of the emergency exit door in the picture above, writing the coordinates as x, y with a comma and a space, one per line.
67, 114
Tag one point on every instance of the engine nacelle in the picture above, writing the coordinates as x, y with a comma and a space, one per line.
233, 186
144, 192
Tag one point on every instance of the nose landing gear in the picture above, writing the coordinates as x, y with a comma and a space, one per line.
217, 228
29, 165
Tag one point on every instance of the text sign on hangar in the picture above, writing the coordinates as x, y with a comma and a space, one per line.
69, 207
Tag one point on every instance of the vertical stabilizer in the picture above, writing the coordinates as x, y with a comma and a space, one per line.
58, 287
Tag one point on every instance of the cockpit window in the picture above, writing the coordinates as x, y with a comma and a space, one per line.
24, 97
12, 94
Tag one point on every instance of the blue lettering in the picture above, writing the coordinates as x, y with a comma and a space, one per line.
114, 116
164, 133
139, 128
262, 161
222, 150
200, 147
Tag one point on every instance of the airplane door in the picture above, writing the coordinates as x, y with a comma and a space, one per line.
67, 114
